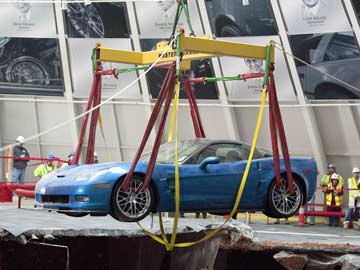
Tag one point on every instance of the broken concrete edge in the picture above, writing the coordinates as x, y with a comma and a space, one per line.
247, 244
228, 232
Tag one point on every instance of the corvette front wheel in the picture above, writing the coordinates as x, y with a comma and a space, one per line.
132, 205
280, 202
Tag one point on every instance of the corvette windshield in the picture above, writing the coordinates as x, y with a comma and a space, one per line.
167, 151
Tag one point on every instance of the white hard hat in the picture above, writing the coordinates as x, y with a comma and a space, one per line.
95, 154
334, 176
355, 170
20, 139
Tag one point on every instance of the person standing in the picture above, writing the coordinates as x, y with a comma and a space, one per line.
325, 179
45, 168
354, 197
70, 158
19, 164
96, 158
334, 192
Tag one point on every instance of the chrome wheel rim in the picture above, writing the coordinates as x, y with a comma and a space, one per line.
284, 202
133, 203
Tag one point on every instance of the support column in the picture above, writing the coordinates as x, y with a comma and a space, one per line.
229, 112
136, 46
66, 73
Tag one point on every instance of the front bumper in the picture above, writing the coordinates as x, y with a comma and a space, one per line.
63, 198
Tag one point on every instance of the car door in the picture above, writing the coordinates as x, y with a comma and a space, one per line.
215, 186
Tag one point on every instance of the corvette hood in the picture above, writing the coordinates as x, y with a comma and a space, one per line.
87, 172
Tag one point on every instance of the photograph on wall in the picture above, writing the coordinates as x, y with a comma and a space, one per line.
156, 18
334, 53
80, 51
97, 20
234, 18
314, 16
30, 66
251, 88
23, 19
199, 68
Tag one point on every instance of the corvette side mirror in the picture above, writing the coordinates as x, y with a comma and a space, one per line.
209, 160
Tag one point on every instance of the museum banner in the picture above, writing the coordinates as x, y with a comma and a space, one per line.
251, 88
81, 72
30, 66
23, 19
199, 68
314, 16
235, 18
97, 20
156, 18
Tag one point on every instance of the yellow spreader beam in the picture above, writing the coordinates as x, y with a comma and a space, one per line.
192, 48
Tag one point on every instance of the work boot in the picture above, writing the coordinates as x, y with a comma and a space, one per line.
356, 225
346, 224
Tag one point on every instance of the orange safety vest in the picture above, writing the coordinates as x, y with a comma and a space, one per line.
338, 199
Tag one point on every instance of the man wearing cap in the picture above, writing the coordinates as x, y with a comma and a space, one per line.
45, 168
354, 197
326, 178
19, 164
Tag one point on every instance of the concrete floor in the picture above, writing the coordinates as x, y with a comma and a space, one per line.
39, 221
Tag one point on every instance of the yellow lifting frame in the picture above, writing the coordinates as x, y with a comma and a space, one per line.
192, 48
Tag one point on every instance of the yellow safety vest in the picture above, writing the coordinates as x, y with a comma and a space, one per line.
338, 199
353, 193
325, 180
43, 169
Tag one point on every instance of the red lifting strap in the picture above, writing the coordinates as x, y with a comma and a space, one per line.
151, 122
280, 128
156, 146
94, 88
194, 111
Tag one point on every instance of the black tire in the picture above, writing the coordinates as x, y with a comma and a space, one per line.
124, 206
230, 30
279, 202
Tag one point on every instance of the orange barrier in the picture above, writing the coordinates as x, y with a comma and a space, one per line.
6, 190
24, 193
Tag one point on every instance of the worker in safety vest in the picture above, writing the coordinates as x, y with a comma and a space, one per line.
70, 158
354, 197
334, 192
45, 168
325, 179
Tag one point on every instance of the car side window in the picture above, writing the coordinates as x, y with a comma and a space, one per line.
227, 152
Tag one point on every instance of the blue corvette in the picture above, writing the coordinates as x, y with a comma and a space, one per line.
210, 174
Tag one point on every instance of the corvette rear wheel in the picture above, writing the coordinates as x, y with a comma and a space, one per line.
282, 204
132, 205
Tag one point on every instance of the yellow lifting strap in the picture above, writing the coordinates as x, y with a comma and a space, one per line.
100, 122
170, 246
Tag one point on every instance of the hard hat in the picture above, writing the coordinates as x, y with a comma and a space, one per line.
355, 170
71, 154
20, 139
335, 176
331, 166
51, 156
95, 154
